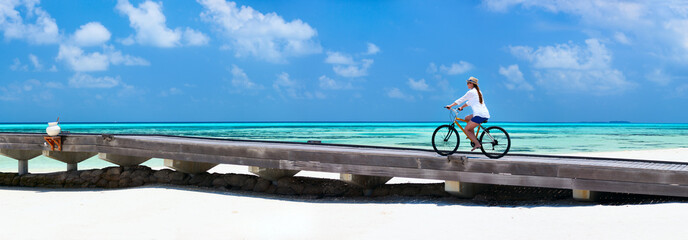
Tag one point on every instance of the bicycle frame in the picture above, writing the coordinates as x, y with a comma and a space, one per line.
456, 119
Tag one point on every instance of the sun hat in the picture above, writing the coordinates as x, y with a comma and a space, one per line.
472, 80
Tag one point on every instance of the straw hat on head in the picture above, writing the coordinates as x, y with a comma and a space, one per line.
472, 80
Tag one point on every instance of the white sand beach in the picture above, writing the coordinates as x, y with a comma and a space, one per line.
163, 212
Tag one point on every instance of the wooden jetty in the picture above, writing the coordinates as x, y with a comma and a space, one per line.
463, 172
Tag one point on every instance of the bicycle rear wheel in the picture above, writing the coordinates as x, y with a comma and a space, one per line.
445, 140
495, 142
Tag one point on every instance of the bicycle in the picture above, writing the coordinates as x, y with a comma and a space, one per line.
445, 139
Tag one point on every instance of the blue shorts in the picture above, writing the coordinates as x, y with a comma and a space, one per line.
477, 119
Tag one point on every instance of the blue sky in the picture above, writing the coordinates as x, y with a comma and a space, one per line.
216, 60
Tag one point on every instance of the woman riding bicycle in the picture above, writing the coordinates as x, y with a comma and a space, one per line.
473, 98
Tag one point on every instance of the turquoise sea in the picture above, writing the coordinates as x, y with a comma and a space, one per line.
539, 138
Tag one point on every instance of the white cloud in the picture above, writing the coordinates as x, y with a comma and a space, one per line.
339, 58
91, 34
611, 13
432, 68
372, 49
82, 80
331, 84
680, 29
241, 81
30, 84
397, 93
346, 66
514, 78
567, 56
354, 70
170, 92
456, 68
659, 26
621, 38
18, 66
53, 85
31, 89
96, 61
419, 85
151, 29
195, 38
265, 36
284, 85
43, 30
128, 41
36, 63
659, 76
569, 67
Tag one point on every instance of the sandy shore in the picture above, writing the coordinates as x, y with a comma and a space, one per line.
161, 212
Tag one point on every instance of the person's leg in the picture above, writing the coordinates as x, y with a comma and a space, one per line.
468, 118
470, 127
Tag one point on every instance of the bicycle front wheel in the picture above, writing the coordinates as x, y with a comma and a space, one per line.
495, 142
445, 140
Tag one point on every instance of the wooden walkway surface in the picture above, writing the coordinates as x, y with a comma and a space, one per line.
594, 174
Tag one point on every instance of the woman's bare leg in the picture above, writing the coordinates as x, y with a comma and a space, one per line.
470, 127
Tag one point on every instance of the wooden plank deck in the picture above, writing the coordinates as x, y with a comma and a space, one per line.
595, 174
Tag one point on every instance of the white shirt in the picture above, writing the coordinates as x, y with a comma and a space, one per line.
472, 99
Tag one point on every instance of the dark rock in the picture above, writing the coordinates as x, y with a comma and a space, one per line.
285, 191
271, 189
140, 179
379, 192
97, 173
112, 174
312, 190
126, 174
178, 178
436, 190
411, 191
124, 182
112, 184
6, 178
290, 182
141, 172
235, 180
356, 192
136, 182
249, 184
163, 176
28, 180
197, 179
16, 180
85, 175
95, 179
219, 182
73, 180
334, 189
60, 178
207, 182
102, 183
262, 185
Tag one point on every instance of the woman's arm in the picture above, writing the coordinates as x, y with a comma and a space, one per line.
460, 100
462, 107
